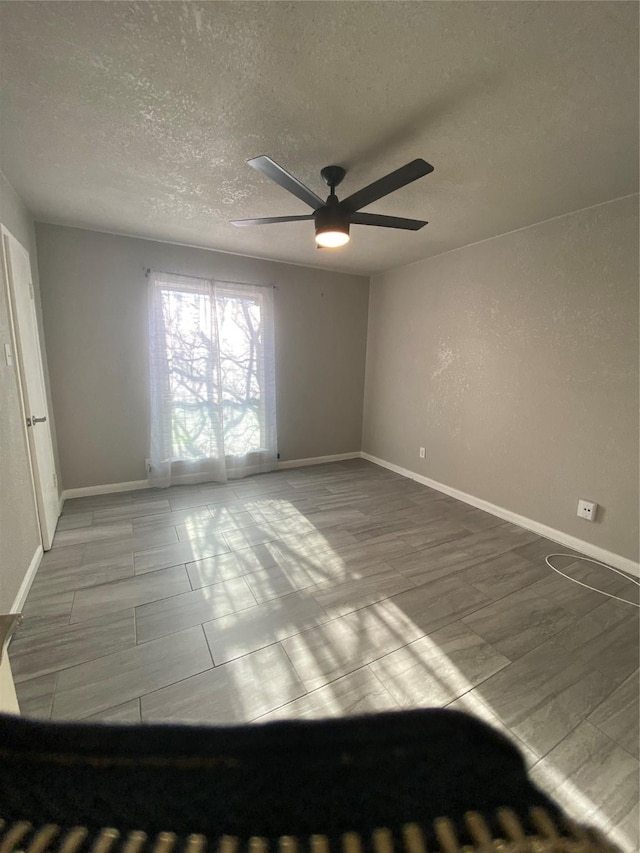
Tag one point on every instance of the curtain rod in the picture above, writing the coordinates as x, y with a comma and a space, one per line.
147, 272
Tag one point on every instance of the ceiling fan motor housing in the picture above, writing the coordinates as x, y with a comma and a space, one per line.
331, 217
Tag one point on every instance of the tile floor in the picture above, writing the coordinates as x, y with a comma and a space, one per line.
334, 590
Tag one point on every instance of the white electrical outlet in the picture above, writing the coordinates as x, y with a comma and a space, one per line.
423, 453
587, 509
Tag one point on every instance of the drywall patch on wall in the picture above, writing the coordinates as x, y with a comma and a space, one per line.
445, 357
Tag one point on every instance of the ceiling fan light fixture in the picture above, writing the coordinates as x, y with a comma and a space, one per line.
331, 239
332, 226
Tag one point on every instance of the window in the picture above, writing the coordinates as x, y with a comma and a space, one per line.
212, 379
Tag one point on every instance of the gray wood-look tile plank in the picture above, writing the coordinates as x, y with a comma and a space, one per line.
378, 506
170, 518
288, 525
35, 696
424, 512
200, 497
471, 703
434, 533
82, 535
341, 597
270, 510
370, 530
239, 691
38, 654
519, 622
218, 522
32, 624
323, 654
539, 547
48, 607
262, 625
360, 692
596, 781
601, 578
336, 501
248, 537
155, 494
439, 602
164, 493
69, 555
434, 562
436, 669
476, 520
169, 615
619, 715
130, 592
301, 549
323, 519
152, 538
232, 564
136, 509
572, 597
371, 552
92, 502
258, 486
128, 713
165, 556
545, 695
334, 564
607, 638
279, 580
495, 540
112, 680
71, 521
503, 574
52, 583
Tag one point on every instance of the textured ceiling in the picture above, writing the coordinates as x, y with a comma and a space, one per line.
138, 117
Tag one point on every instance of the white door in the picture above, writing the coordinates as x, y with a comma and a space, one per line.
29, 359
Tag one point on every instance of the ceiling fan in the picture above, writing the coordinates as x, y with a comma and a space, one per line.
333, 217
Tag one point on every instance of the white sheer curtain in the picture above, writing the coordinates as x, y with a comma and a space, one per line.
212, 380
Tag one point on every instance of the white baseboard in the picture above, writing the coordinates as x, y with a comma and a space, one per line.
105, 489
25, 586
594, 551
112, 488
318, 460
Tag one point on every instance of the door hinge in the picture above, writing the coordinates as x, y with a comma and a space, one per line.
55, 480
31, 291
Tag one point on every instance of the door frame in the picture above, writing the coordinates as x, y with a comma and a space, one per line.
38, 498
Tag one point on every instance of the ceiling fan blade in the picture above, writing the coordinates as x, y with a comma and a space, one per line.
272, 170
387, 221
389, 184
269, 220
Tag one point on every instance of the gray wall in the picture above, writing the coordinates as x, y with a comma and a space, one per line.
95, 312
515, 363
19, 531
